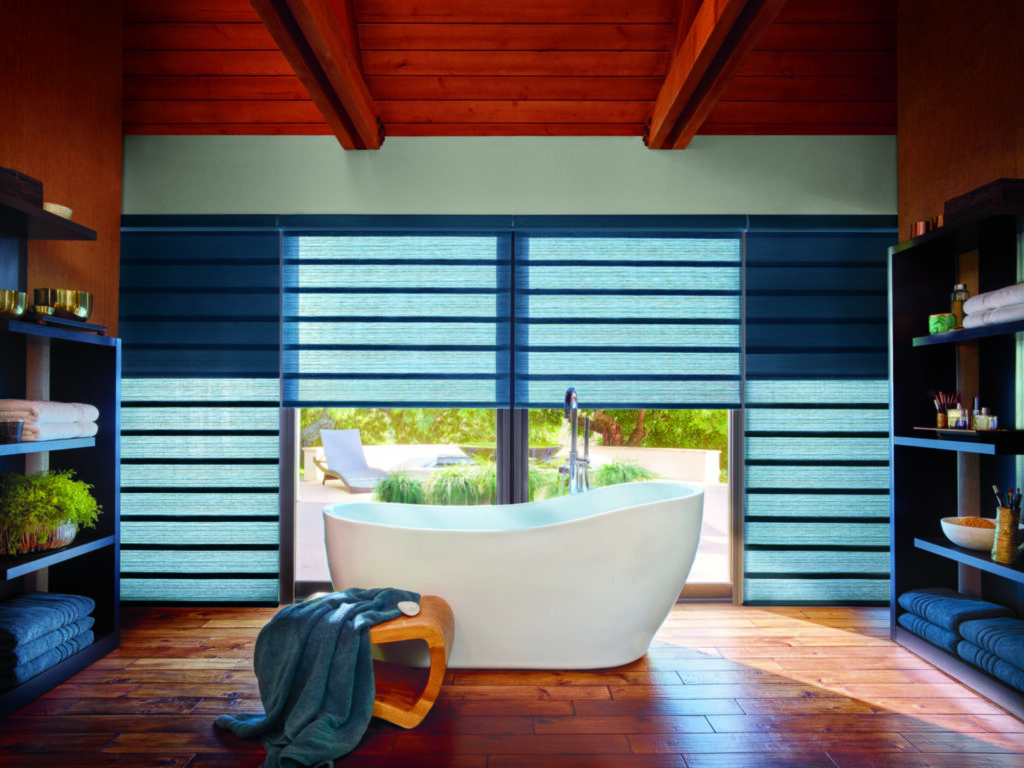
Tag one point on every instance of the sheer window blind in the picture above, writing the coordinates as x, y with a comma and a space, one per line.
200, 449
816, 518
631, 319
391, 320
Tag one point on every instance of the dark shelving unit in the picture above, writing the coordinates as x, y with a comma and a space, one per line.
83, 366
943, 473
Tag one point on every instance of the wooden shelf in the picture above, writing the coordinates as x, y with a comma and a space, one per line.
1008, 442
41, 446
21, 219
969, 334
973, 557
71, 331
13, 566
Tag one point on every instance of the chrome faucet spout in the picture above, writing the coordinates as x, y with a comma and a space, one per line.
577, 476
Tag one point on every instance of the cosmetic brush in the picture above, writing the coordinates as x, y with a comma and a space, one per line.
998, 497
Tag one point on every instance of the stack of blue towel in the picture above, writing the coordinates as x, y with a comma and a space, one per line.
982, 633
39, 630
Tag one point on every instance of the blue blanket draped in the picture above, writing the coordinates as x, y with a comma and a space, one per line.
32, 615
933, 633
9, 678
1003, 636
948, 608
315, 674
999, 668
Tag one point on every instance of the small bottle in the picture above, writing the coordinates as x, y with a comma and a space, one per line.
960, 295
975, 413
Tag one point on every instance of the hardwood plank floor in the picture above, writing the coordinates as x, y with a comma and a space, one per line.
722, 687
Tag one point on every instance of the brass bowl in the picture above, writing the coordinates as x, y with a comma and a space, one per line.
12, 303
63, 302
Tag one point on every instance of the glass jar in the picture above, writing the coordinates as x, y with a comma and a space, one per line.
960, 295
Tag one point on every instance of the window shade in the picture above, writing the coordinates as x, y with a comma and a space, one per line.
200, 447
632, 320
816, 517
391, 320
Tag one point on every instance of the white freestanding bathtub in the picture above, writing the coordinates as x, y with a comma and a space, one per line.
576, 582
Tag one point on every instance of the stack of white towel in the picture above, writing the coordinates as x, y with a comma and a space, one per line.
1003, 306
48, 420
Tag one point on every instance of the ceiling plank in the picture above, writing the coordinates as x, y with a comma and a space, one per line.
317, 46
722, 34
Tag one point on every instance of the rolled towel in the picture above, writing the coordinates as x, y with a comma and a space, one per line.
19, 674
36, 432
25, 652
933, 633
1011, 294
47, 411
32, 615
1007, 314
1003, 636
948, 608
999, 668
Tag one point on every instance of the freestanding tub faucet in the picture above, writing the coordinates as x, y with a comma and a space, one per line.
576, 472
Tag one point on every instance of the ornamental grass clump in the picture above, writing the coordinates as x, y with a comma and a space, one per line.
399, 488
43, 510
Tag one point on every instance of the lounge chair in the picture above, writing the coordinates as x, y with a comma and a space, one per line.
346, 461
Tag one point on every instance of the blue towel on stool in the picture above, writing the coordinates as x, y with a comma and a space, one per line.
1009, 673
1003, 636
933, 633
9, 678
948, 608
313, 665
32, 615
25, 652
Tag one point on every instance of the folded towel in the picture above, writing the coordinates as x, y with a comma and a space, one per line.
47, 411
948, 608
1009, 673
25, 652
34, 432
1003, 636
9, 678
315, 673
933, 633
1011, 294
32, 615
1007, 314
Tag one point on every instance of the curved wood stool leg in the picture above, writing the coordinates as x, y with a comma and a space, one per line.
404, 696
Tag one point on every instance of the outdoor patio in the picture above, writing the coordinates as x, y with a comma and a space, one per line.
694, 467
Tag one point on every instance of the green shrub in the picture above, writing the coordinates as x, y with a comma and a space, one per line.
464, 484
615, 472
399, 488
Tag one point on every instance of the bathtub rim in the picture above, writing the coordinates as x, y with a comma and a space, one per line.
328, 511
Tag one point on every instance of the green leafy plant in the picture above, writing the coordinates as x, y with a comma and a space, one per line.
400, 488
33, 506
466, 484
615, 472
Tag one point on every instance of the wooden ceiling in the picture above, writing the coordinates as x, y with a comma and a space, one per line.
367, 69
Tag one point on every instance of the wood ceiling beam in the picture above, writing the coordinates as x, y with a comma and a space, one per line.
723, 32
317, 39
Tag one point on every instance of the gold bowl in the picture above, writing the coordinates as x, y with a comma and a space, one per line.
63, 302
12, 303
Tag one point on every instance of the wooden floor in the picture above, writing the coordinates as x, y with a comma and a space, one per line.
721, 686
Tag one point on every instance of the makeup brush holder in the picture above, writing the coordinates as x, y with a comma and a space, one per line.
10, 431
1005, 543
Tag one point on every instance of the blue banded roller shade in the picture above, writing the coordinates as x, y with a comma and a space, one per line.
631, 319
377, 319
200, 440
816, 449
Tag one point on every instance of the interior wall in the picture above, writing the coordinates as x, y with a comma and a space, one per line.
60, 123
510, 175
960, 75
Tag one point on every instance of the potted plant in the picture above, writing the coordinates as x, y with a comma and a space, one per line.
43, 510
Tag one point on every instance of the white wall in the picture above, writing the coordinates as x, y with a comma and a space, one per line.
510, 175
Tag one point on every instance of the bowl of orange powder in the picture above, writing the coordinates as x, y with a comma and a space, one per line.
970, 532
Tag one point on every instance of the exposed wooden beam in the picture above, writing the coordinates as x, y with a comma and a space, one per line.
722, 34
316, 37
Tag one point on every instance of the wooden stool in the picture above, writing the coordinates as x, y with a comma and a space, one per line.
404, 695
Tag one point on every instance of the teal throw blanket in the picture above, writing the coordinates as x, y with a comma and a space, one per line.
315, 674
